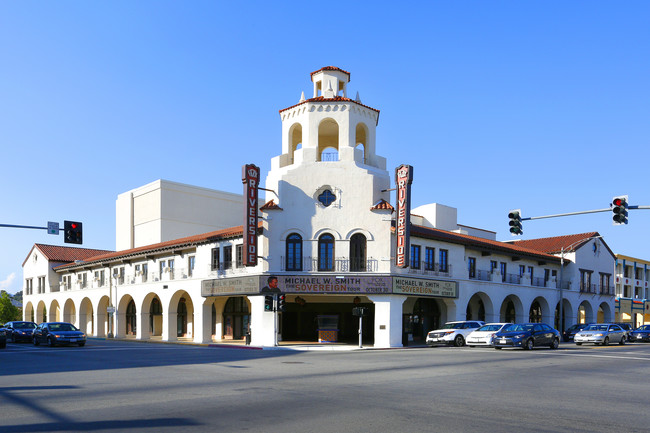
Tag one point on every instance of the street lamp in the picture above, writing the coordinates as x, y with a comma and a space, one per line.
562, 251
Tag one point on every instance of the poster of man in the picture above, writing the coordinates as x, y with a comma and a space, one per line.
272, 285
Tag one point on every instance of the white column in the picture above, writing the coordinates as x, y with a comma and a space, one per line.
262, 323
202, 322
388, 320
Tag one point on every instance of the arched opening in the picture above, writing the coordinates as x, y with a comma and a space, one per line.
214, 321
236, 318
358, 253
86, 317
512, 311
585, 313
156, 317
28, 312
181, 318
294, 252
328, 140
535, 313
567, 312
475, 309
70, 312
54, 313
361, 141
131, 318
295, 139
326, 252
104, 325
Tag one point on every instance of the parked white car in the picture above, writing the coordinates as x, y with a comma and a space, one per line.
483, 335
452, 333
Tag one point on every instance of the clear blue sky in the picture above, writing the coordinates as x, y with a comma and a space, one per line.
542, 106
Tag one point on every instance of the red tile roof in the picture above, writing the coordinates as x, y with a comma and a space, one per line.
555, 244
324, 99
479, 243
270, 205
189, 241
55, 253
331, 68
383, 205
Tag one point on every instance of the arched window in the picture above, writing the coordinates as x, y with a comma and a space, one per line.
294, 252
358, 253
326, 252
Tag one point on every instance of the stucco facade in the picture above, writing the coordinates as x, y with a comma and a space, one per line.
327, 234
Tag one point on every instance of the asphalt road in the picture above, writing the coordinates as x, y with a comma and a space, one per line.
111, 386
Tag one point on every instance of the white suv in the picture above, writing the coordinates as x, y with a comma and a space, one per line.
452, 333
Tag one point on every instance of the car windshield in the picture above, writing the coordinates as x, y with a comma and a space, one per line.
517, 328
492, 328
596, 328
644, 328
457, 325
62, 327
24, 325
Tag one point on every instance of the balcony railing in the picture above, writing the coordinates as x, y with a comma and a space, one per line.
343, 264
425, 268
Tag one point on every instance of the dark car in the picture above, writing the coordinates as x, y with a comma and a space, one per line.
19, 331
642, 333
3, 338
570, 332
526, 336
54, 333
627, 327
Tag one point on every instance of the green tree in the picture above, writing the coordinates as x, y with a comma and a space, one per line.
8, 311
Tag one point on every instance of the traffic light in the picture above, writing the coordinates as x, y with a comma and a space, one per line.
619, 209
268, 303
72, 232
515, 222
281, 299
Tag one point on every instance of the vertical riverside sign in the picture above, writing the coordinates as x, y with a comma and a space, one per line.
251, 181
403, 180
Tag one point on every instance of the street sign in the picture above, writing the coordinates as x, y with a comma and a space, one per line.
52, 228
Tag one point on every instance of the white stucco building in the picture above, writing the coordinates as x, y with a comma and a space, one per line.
327, 234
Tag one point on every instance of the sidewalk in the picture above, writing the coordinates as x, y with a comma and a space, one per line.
282, 345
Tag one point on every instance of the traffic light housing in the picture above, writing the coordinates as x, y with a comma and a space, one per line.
72, 232
281, 300
515, 222
268, 303
619, 210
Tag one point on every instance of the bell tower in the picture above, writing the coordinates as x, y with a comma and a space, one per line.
327, 182
329, 126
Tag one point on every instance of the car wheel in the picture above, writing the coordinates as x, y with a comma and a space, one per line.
498, 348
459, 341
36, 342
622, 342
81, 344
530, 344
555, 343
606, 341
50, 342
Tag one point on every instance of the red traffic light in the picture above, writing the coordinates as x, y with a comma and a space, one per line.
617, 201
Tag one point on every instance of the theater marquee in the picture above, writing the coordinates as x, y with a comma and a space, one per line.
422, 287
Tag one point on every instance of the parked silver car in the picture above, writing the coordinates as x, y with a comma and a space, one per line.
601, 333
